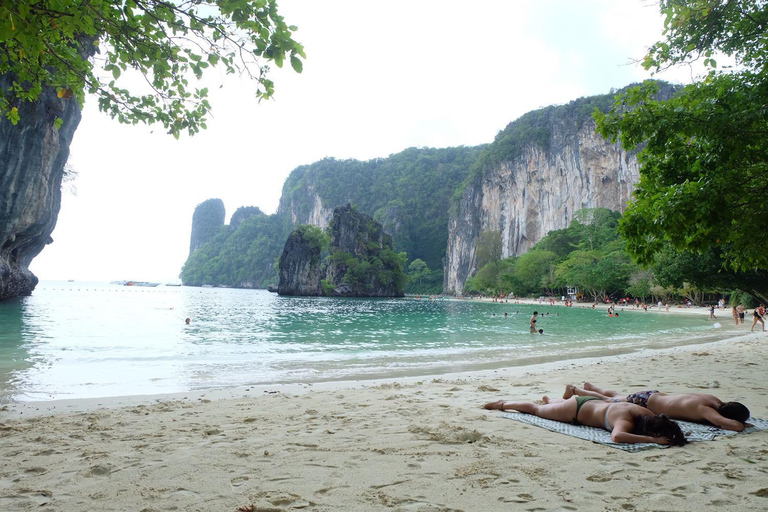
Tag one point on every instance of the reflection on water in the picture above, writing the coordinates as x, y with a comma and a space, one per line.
14, 349
73, 340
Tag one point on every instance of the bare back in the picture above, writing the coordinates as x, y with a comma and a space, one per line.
596, 412
684, 406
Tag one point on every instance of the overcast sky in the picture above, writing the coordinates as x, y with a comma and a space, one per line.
380, 76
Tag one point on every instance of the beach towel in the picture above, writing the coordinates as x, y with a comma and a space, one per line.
692, 431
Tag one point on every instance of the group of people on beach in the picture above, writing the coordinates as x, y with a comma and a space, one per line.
640, 417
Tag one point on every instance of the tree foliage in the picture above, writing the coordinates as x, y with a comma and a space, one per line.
488, 249
704, 152
423, 280
50, 42
588, 255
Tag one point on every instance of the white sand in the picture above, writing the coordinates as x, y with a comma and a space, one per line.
415, 444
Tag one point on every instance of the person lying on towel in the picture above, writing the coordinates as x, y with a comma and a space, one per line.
627, 423
695, 407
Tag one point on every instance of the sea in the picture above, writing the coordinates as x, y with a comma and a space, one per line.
87, 340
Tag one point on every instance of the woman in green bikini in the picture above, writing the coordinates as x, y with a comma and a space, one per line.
627, 423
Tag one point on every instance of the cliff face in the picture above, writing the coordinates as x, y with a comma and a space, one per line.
207, 220
300, 267
305, 207
537, 191
32, 158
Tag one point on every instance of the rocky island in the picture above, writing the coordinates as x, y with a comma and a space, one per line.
360, 261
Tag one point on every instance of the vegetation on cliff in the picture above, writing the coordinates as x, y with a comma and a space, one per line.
408, 192
241, 254
207, 221
45, 43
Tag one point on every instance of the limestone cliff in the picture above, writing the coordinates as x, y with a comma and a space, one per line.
539, 171
32, 158
559, 166
300, 266
207, 220
305, 207
361, 262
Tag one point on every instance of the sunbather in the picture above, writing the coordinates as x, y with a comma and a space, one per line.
627, 423
685, 406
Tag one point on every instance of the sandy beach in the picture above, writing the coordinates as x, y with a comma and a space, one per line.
413, 444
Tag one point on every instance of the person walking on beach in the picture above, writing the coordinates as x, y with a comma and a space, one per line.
757, 316
712, 312
627, 423
740, 309
694, 407
533, 322
735, 314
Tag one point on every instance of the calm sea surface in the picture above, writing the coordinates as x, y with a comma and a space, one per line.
79, 340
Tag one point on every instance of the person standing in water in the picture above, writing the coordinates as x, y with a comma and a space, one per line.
757, 316
533, 322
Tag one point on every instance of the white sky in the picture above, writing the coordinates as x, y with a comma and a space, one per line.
380, 76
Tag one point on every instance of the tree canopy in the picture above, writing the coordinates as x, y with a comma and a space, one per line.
588, 254
85, 46
704, 152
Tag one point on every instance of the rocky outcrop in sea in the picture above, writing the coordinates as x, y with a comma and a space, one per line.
361, 262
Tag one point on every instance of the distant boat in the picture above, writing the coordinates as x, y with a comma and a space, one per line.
141, 283
172, 284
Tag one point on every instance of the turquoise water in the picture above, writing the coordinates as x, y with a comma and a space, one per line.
79, 340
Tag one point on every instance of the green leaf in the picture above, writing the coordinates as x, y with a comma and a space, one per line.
296, 64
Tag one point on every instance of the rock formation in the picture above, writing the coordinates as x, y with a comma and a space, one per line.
541, 170
362, 263
32, 155
300, 265
243, 213
207, 220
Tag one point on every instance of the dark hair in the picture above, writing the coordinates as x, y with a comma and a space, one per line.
734, 411
541, 331
660, 426
535, 312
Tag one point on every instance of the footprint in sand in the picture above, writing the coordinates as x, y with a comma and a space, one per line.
238, 481
100, 470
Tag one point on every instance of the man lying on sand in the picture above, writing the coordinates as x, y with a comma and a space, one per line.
627, 423
686, 406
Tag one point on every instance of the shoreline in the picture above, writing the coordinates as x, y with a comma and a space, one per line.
47, 398
33, 408
420, 444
